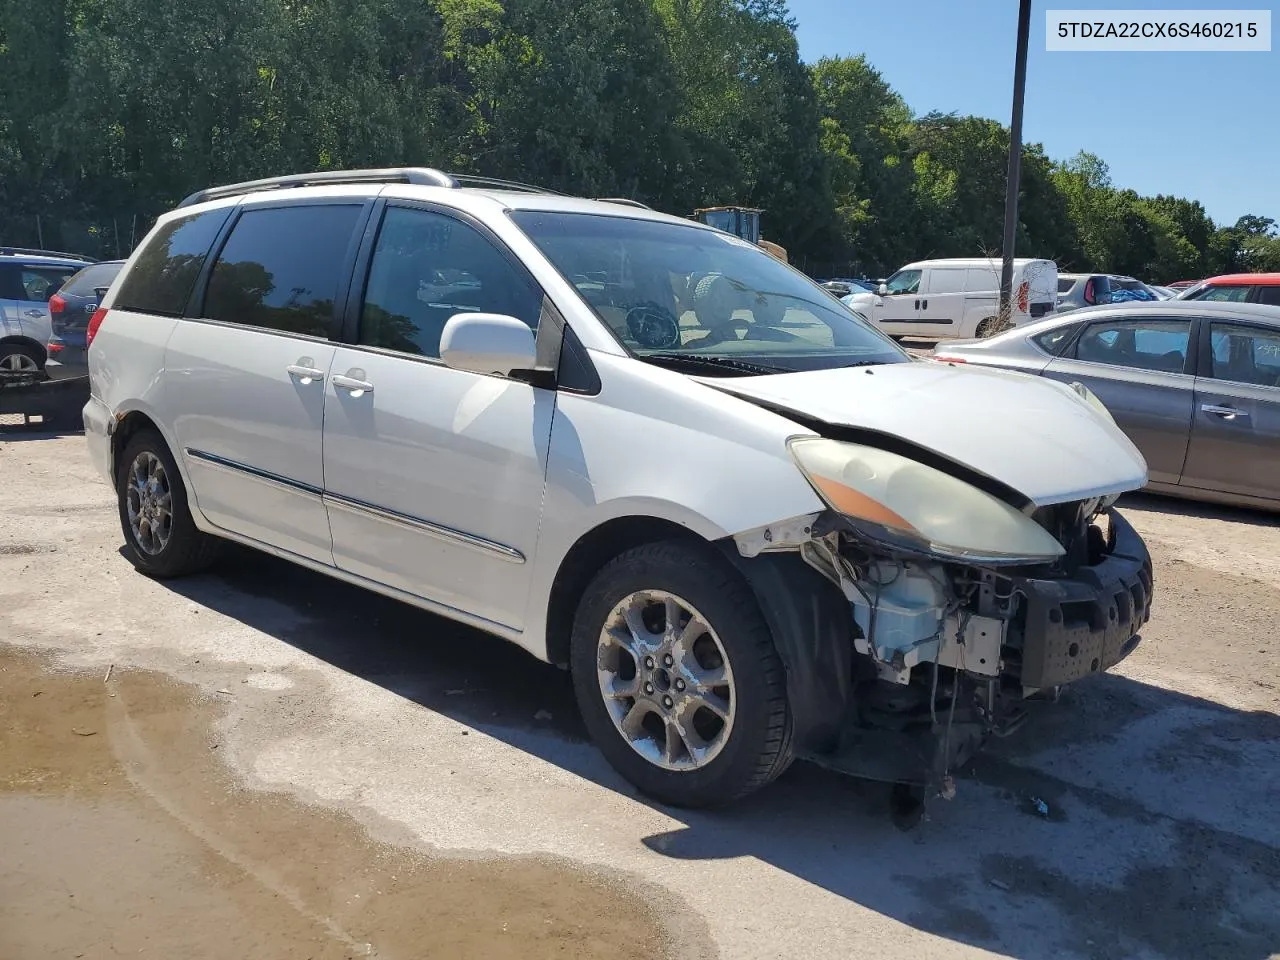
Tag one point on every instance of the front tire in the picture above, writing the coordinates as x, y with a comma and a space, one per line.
677, 676
161, 538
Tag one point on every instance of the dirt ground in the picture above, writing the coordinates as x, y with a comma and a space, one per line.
279, 765
123, 834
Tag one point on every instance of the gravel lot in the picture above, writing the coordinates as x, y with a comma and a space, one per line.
280, 760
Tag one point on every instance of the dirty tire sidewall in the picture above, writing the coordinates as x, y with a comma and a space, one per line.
188, 550
759, 746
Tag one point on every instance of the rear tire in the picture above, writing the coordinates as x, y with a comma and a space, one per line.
161, 538
18, 358
676, 748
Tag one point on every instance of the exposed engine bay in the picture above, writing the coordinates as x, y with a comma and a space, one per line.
941, 655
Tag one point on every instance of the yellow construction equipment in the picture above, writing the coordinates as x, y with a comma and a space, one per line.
742, 222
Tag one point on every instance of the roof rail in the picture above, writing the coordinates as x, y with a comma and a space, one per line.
31, 252
425, 176
468, 180
625, 202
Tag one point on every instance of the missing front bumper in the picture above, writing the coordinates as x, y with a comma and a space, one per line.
1071, 627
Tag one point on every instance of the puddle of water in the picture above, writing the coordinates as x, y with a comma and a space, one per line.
123, 833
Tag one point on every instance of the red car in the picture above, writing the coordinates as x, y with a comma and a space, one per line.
1238, 288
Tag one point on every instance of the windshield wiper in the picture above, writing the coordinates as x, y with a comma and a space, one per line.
715, 363
864, 363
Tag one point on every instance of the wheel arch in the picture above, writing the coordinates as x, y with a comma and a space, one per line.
22, 340
127, 423
591, 551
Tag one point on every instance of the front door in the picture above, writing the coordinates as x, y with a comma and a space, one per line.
244, 379
898, 312
1138, 368
1235, 437
434, 476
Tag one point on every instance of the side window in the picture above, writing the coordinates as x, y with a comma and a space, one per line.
1269, 295
904, 281
279, 268
946, 280
41, 283
1159, 345
166, 268
1245, 354
426, 267
1052, 341
1223, 294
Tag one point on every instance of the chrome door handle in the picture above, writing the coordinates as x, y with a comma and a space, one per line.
356, 387
35, 314
303, 372
1228, 413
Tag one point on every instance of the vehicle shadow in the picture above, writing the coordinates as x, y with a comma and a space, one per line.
36, 430
1125, 820
1179, 507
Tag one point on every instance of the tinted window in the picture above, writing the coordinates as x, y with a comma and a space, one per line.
88, 280
161, 278
279, 268
1228, 294
1146, 344
1269, 295
1246, 354
38, 284
1065, 284
904, 281
426, 267
1053, 340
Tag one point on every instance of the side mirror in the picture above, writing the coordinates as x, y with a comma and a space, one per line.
883, 289
487, 343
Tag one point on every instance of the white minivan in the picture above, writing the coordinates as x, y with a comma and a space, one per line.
751, 525
956, 299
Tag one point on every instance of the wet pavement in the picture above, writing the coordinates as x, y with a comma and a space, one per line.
123, 835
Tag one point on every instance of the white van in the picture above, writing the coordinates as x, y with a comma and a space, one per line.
956, 298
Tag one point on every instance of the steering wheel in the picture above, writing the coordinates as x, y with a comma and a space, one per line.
653, 326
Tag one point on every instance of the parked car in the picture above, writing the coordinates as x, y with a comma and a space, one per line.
1195, 385
1238, 288
1179, 285
956, 298
1163, 293
844, 286
1076, 290
28, 278
70, 309
749, 524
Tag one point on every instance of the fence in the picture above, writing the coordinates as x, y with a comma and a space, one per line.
110, 237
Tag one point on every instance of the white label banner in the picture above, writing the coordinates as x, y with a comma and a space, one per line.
1158, 30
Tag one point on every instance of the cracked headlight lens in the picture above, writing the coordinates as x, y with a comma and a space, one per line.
901, 500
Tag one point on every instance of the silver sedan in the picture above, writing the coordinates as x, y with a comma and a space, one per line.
1195, 385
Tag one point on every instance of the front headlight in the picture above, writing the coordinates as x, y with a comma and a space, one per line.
918, 506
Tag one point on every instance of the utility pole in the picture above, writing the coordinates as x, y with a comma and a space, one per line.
1015, 161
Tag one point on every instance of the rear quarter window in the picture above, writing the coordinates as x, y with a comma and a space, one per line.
162, 276
1054, 341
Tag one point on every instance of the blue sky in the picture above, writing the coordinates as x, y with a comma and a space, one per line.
1199, 125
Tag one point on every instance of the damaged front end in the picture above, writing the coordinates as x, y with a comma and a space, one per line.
910, 639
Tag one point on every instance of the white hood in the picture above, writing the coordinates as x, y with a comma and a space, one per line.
1034, 435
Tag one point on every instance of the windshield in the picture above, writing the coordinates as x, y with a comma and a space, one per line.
670, 292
